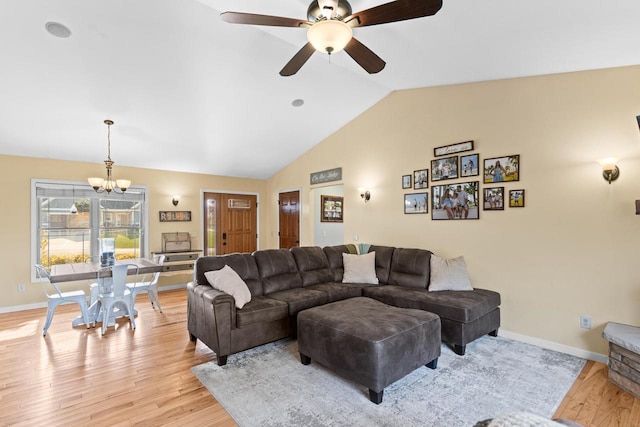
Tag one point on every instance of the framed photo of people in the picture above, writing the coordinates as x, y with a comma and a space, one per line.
493, 199
469, 165
332, 208
516, 198
502, 169
445, 168
406, 181
416, 203
420, 179
455, 201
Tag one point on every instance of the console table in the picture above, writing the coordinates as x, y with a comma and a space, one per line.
179, 260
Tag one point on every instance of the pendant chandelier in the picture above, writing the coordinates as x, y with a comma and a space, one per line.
116, 185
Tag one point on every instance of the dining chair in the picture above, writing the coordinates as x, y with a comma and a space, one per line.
115, 292
55, 297
151, 286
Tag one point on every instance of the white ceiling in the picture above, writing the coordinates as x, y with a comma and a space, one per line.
189, 92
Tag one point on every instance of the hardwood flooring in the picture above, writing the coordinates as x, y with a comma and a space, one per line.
77, 377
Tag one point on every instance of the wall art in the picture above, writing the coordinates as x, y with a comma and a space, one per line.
469, 165
332, 208
502, 169
455, 201
493, 199
420, 179
174, 216
453, 148
416, 203
406, 181
446, 168
516, 198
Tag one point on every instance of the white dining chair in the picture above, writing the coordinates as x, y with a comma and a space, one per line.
115, 292
151, 286
55, 297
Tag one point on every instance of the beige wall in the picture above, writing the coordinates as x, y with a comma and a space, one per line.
572, 250
15, 180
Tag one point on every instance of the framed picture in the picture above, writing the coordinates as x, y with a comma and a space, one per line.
416, 203
516, 198
493, 199
453, 148
406, 181
173, 216
446, 168
332, 208
502, 169
420, 179
455, 201
469, 165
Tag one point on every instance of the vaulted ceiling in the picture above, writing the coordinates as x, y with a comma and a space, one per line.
189, 92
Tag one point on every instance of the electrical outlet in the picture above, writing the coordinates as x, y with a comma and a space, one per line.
20, 287
585, 322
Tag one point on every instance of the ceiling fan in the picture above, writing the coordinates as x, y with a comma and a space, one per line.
329, 27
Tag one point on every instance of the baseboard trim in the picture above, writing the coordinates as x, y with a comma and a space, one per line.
555, 346
35, 305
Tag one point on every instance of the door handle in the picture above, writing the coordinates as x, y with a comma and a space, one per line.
224, 236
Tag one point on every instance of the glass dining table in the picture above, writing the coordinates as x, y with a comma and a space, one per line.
89, 270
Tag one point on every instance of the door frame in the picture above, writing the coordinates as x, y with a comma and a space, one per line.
286, 190
250, 193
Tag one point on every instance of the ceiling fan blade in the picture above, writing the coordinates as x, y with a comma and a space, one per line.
364, 56
400, 10
254, 19
298, 60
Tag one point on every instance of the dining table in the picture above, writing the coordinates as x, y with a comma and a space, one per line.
89, 271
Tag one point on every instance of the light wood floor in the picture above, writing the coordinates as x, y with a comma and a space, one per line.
76, 377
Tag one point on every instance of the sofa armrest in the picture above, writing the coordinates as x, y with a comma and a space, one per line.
211, 315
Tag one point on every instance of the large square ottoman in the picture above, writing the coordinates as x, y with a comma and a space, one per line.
369, 342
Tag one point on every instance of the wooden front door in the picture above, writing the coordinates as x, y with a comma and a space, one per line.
230, 223
289, 219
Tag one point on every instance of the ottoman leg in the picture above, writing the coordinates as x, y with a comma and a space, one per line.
459, 349
376, 396
305, 359
433, 364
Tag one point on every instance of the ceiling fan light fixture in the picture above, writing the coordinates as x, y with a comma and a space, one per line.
329, 36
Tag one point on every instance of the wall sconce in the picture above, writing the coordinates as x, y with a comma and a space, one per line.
610, 171
175, 200
366, 196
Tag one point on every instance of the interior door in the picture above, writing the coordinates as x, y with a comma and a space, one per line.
289, 214
230, 223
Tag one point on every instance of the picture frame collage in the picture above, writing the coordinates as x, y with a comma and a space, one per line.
461, 200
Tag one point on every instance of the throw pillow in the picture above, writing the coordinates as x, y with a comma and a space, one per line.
228, 281
449, 275
359, 268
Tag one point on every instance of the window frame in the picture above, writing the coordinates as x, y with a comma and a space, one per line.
95, 219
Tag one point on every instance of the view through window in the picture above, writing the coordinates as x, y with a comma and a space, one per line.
69, 219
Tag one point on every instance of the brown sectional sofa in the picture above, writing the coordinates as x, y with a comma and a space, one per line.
284, 282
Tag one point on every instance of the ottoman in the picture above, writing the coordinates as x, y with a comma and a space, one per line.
369, 342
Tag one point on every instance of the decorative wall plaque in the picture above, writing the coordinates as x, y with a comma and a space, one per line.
326, 176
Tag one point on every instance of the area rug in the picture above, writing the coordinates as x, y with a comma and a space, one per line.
268, 386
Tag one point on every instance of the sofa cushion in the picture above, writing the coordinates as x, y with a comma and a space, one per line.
243, 264
383, 262
449, 274
457, 306
228, 281
360, 268
300, 299
313, 265
261, 310
338, 291
410, 267
278, 270
334, 256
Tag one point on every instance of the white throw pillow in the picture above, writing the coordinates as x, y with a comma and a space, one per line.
449, 275
228, 281
359, 268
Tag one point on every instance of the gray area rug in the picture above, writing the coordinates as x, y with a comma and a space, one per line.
268, 386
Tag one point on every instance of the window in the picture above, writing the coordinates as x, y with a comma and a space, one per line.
69, 218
